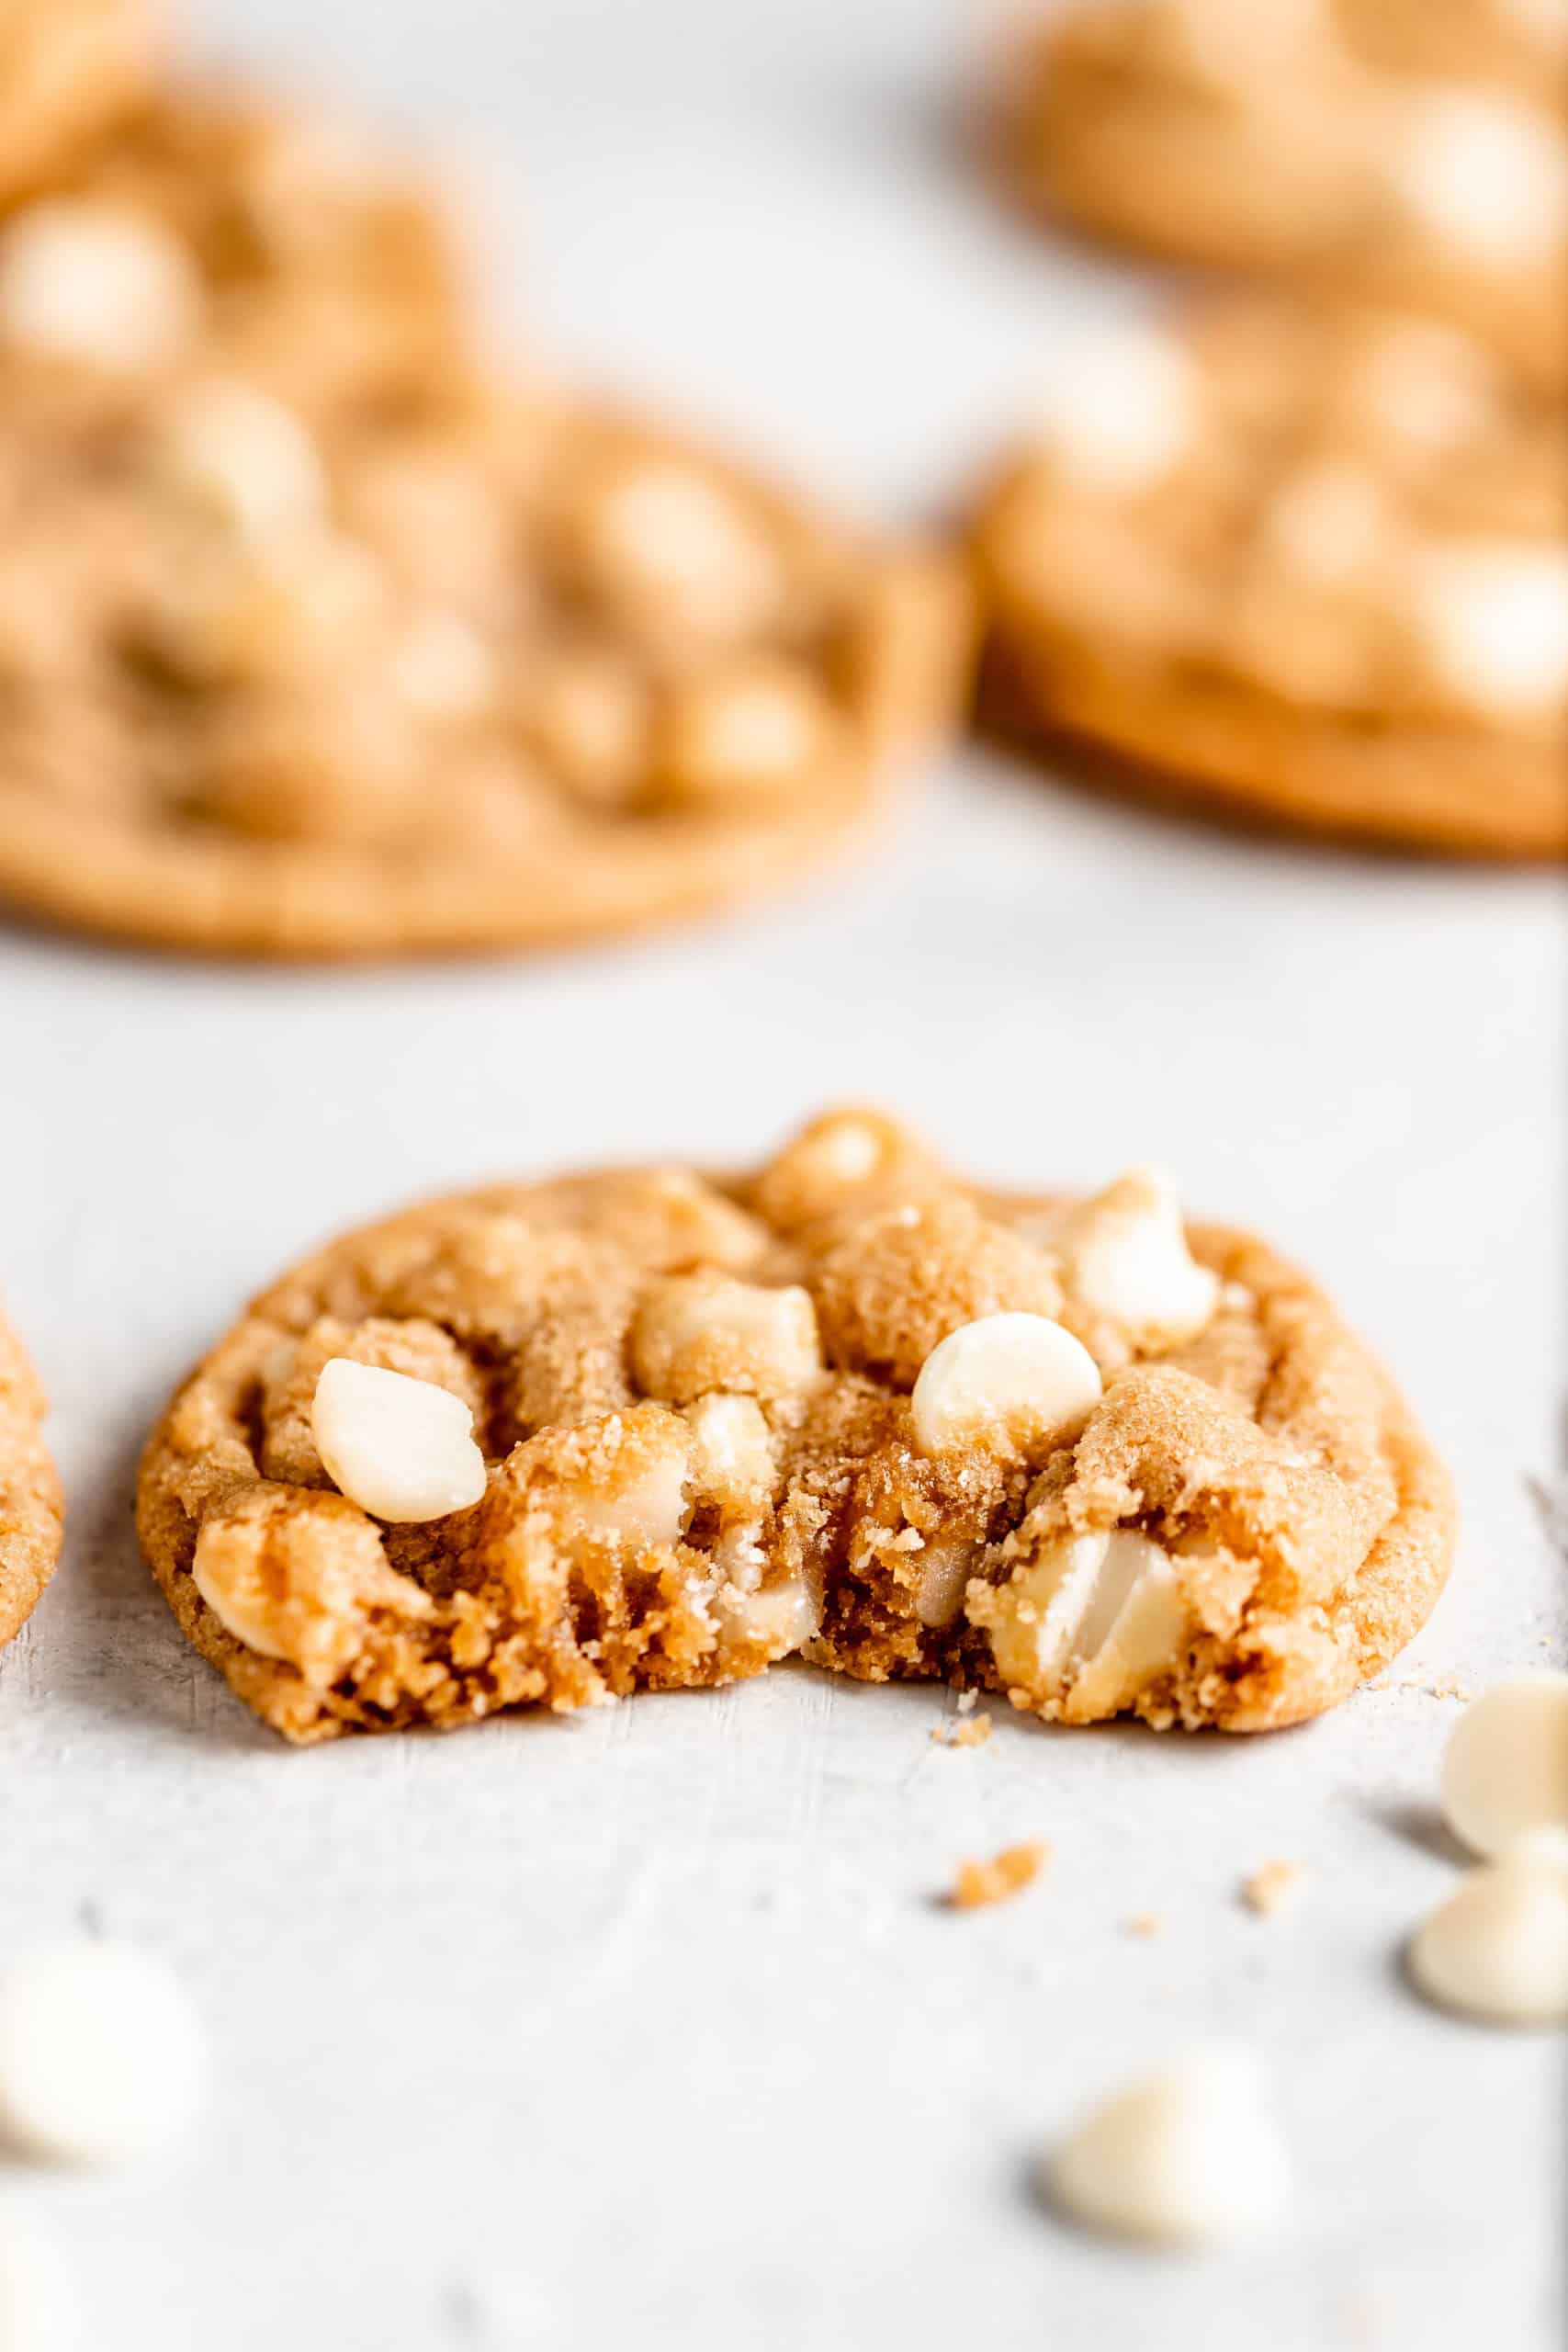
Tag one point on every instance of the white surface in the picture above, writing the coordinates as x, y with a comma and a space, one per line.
647, 2028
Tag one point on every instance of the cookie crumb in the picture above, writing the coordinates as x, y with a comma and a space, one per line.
1001, 1877
971, 1731
1147, 1926
1271, 1886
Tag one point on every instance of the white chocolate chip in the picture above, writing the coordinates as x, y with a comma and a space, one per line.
102, 2057
1493, 619
240, 459
760, 727
695, 1332
734, 1450
1327, 523
1420, 385
1498, 1948
1019, 1379
1123, 1255
644, 1502
946, 1566
781, 1620
37, 2310
1506, 1766
1120, 407
1190, 2155
402, 1448
80, 281
1093, 1619
1485, 174
441, 667
667, 536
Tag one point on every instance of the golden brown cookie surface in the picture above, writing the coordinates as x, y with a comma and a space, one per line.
1309, 566
31, 1506
1409, 155
643, 1430
68, 69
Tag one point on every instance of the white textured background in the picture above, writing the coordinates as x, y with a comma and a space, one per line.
647, 2029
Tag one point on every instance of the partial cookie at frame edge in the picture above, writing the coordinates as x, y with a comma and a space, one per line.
854, 1460
32, 1506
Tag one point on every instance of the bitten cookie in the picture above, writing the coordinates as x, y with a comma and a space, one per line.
68, 68
550, 1444
32, 1510
1303, 566
1410, 153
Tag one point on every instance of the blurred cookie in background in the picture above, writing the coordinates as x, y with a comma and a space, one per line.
1301, 565
490, 671
1400, 152
67, 69
31, 1506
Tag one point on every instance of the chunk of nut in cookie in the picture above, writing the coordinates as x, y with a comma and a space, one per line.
1486, 175
946, 1565
1008, 1384
1121, 406
1497, 1948
1125, 1258
1506, 1766
402, 1448
1492, 620
1188, 2156
662, 543
237, 459
780, 1620
1088, 1621
86, 283
759, 727
695, 1332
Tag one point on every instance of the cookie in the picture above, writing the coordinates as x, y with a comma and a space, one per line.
1297, 565
218, 231
1413, 156
550, 1444
32, 1510
68, 68
512, 670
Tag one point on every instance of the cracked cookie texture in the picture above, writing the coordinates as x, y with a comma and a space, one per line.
33, 1511
1304, 566
1412, 151
655, 1429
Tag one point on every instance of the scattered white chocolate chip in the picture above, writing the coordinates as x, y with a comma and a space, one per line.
239, 459
443, 667
1124, 1256
1493, 618
81, 281
1121, 406
695, 1332
102, 2056
667, 536
38, 2309
1017, 1379
1092, 1620
1190, 2155
645, 1499
1327, 523
1506, 1766
1498, 1947
1487, 175
402, 1448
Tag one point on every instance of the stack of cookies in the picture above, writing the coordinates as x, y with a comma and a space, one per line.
320, 636
1300, 548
